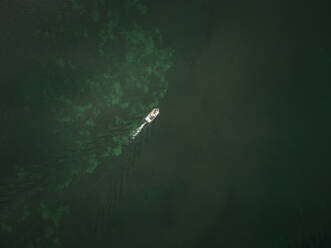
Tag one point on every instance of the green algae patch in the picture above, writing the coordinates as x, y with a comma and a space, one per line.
117, 150
104, 74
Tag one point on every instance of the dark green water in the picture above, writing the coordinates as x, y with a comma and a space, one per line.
239, 154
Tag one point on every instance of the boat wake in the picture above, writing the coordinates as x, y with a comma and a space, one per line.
138, 130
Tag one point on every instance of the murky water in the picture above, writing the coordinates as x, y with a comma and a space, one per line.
238, 155
233, 162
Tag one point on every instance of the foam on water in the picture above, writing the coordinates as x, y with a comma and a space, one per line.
138, 130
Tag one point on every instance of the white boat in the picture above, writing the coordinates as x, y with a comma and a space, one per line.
151, 116
148, 119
